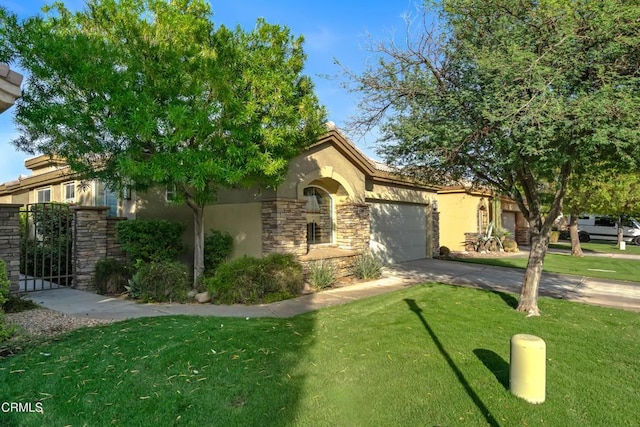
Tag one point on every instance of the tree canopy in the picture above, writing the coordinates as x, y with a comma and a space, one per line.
509, 94
144, 92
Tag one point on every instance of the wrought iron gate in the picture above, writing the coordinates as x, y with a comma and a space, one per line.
46, 246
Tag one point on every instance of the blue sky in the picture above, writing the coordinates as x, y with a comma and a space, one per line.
332, 30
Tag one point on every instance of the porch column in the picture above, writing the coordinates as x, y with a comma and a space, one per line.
284, 226
353, 226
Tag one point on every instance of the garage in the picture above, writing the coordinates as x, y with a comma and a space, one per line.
398, 231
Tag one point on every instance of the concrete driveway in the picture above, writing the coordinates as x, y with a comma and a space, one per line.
610, 293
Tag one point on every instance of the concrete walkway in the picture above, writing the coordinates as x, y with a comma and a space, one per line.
610, 293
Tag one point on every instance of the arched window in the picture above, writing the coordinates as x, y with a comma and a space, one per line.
319, 213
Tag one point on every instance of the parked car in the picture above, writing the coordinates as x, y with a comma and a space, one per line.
605, 227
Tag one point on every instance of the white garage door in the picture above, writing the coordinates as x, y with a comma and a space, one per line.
398, 231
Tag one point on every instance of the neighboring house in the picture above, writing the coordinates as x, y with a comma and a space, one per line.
51, 180
468, 211
335, 202
9, 87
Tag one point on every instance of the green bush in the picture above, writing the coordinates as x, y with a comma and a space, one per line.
217, 248
249, 280
16, 304
321, 274
4, 283
510, 245
367, 267
162, 281
111, 276
5, 330
445, 251
150, 240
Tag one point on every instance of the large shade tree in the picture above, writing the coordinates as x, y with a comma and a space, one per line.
139, 93
509, 94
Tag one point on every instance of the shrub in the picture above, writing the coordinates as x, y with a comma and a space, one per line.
217, 248
510, 245
5, 330
445, 251
111, 276
17, 304
367, 266
150, 240
250, 280
162, 281
4, 283
321, 274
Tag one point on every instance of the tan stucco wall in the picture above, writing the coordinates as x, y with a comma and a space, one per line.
395, 193
322, 161
458, 215
242, 220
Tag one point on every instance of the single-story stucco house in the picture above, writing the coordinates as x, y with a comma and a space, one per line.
335, 202
469, 211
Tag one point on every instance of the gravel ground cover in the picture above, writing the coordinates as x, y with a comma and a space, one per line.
44, 322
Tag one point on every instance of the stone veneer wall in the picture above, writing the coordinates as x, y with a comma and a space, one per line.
10, 242
284, 226
436, 232
90, 244
341, 265
353, 226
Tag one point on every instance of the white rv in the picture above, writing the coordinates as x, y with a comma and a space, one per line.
605, 227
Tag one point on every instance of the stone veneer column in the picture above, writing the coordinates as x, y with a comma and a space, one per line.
435, 233
10, 242
353, 226
284, 226
90, 244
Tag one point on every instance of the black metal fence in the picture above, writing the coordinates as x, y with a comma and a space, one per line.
46, 246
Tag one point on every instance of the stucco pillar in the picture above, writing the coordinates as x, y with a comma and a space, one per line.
90, 243
10, 242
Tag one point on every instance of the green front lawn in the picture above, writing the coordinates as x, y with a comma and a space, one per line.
605, 268
596, 246
428, 355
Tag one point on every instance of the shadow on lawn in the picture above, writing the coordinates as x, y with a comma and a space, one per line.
461, 378
509, 299
494, 363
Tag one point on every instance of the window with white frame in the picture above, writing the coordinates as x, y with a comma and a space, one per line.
170, 193
104, 196
69, 192
43, 195
319, 213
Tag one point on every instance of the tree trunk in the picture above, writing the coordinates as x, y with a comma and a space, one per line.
198, 243
620, 230
576, 249
529, 293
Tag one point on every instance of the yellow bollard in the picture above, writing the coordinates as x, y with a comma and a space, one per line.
527, 371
